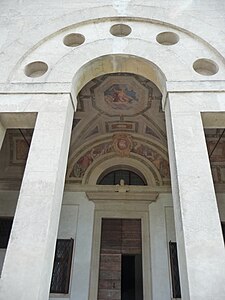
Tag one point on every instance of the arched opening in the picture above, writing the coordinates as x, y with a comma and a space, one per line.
119, 156
121, 176
118, 63
119, 122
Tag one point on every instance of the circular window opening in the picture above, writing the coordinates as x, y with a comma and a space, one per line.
205, 67
167, 38
120, 30
73, 39
121, 177
36, 69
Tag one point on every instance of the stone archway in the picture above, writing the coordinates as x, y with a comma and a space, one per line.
102, 140
178, 74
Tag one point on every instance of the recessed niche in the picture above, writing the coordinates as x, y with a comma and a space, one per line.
167, 38
73, 39
120, 30
36, 69
205, 67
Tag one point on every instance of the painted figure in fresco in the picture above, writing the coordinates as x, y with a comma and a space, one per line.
119, 96
160, 163
84, 162
122, 144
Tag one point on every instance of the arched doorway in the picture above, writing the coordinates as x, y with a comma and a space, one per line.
119, 157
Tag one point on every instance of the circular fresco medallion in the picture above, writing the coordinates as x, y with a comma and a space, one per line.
122, 144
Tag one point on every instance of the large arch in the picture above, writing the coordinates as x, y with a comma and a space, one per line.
70, 68
114, 63
185, 23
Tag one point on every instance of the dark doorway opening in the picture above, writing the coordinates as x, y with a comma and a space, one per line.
131, 277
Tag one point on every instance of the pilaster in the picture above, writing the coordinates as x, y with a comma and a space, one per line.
28, 263
198, 230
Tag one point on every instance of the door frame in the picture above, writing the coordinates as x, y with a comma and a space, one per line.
122, 213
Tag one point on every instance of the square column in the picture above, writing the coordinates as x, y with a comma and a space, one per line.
29, 258
198, 231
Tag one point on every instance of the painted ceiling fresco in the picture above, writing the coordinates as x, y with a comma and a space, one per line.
121, 95
118, 115
118, 103
124, 111
119, 108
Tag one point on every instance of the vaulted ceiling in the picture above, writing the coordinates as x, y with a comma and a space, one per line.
118, 116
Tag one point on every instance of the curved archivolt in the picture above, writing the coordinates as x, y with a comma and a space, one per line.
172, 53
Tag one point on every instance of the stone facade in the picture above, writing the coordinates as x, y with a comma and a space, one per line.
91, 87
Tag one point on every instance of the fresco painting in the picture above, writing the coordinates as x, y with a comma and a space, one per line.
122, 145
22, 150
159, 162
85, 161
120, 96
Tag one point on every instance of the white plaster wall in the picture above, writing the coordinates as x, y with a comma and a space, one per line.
76, 221
162, 230
68, 228
25, 23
